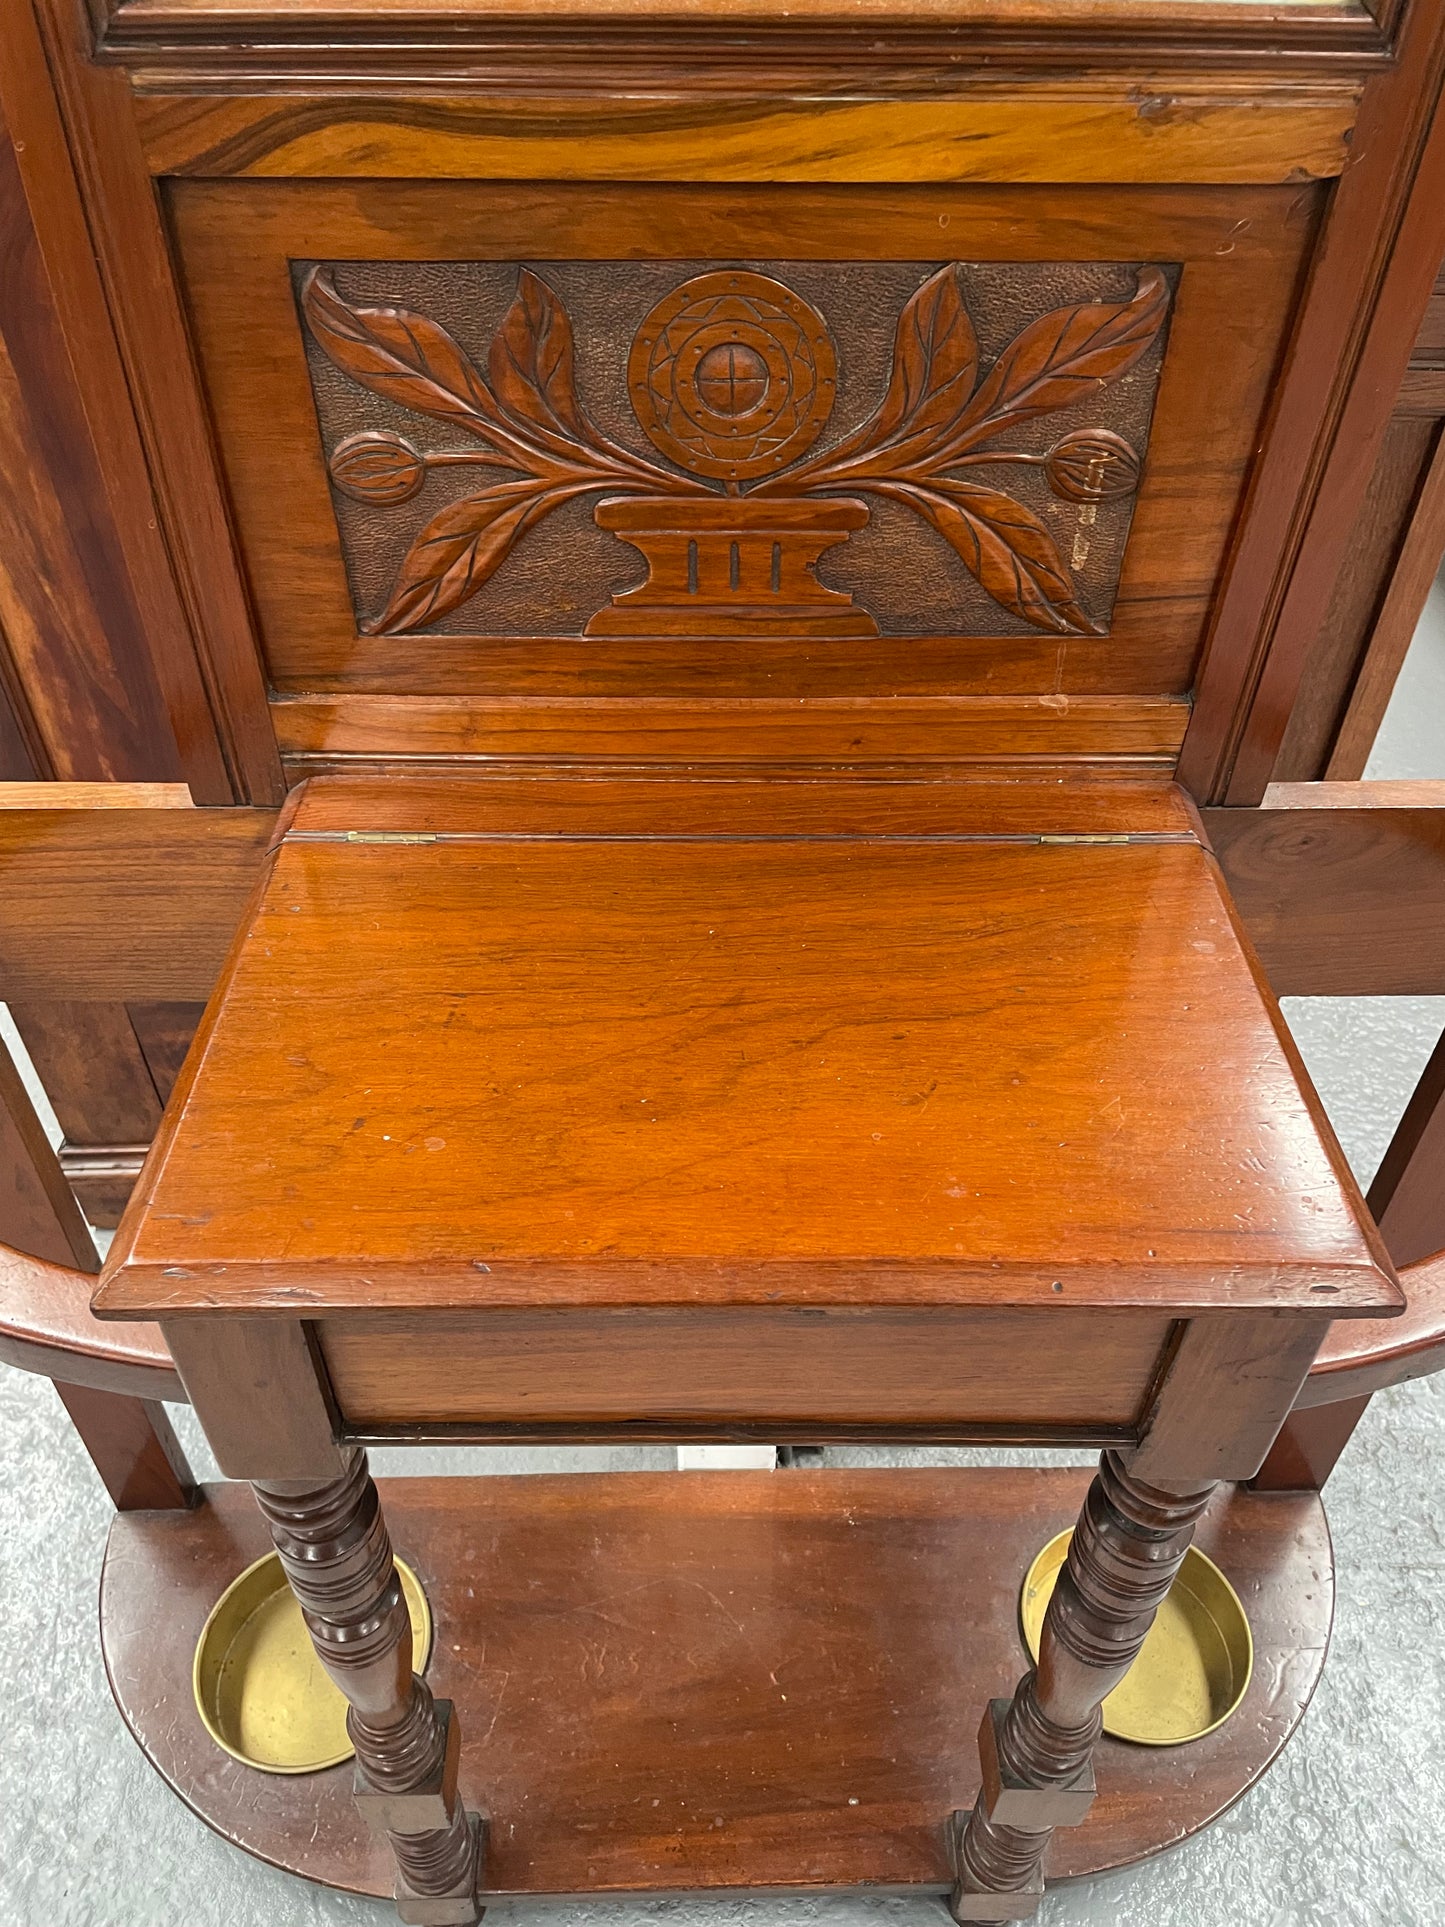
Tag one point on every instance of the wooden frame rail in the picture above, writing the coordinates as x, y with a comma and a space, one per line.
1341, 886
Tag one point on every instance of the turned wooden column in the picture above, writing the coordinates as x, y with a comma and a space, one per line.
335, 1549
1036, 1750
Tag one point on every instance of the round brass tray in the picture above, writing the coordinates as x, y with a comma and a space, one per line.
1192, 1670
261, 1692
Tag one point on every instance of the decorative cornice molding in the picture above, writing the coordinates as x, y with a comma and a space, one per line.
874, 50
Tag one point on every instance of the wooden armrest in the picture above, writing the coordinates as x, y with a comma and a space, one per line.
46, 1326
1365, 1355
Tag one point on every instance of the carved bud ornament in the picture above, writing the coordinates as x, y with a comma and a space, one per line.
733, 377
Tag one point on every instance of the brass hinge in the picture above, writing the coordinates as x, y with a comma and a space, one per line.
1095, 839
390, 836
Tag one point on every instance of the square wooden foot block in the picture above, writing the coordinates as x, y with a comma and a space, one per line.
736, 1680
1013, 1803
1021, 1903
445, 1910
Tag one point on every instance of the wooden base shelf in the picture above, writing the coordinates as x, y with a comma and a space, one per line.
701, 1681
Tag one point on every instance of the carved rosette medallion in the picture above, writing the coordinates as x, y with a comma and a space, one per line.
733, 377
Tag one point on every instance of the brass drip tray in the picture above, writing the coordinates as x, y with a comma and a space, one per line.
261, 1692
1192, 1670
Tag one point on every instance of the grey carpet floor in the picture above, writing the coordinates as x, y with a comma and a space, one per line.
1348, 1830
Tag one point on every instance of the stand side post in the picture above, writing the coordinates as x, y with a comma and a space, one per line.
334, 1546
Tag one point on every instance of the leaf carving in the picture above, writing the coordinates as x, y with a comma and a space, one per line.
1063, 357
935, 360
458, 549
532, 361
1007, 548
403, 356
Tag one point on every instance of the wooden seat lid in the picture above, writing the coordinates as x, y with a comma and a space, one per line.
607, 1043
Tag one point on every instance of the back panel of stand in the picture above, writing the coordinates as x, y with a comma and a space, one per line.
649, 473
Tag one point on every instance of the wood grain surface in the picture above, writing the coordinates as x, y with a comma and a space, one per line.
46, 1326
1016, 135
758, 1680
765, 1068
1359, 1358
956, 730
1341, 886
1241, 251
110, 905
825, 1373
1406, 1197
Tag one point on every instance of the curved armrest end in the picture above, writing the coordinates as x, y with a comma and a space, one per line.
46, 1326
1363, 1355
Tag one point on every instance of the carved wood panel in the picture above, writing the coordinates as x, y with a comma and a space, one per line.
673, 448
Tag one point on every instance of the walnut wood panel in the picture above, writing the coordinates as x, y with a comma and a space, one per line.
126, 340
1013, 134
807, 1652
1430, 342
1341, 886
236, 242
118, 904
164, 1032
840, 1373
660, 1068
95, 796
82, 605
784, 468
1422, 392
21, 756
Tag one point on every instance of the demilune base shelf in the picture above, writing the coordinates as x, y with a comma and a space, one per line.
695, 1682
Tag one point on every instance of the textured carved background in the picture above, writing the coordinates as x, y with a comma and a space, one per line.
565, 569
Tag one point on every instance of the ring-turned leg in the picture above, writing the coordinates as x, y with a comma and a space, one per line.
1036, 1749
334, 1547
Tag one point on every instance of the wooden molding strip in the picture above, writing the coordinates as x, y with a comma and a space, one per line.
596, 45
837, 730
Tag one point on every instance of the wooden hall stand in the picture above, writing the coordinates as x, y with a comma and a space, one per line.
685, 1110
730, 487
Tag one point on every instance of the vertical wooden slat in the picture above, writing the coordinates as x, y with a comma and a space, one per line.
1410, 583
38, 1211
1408, 1193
